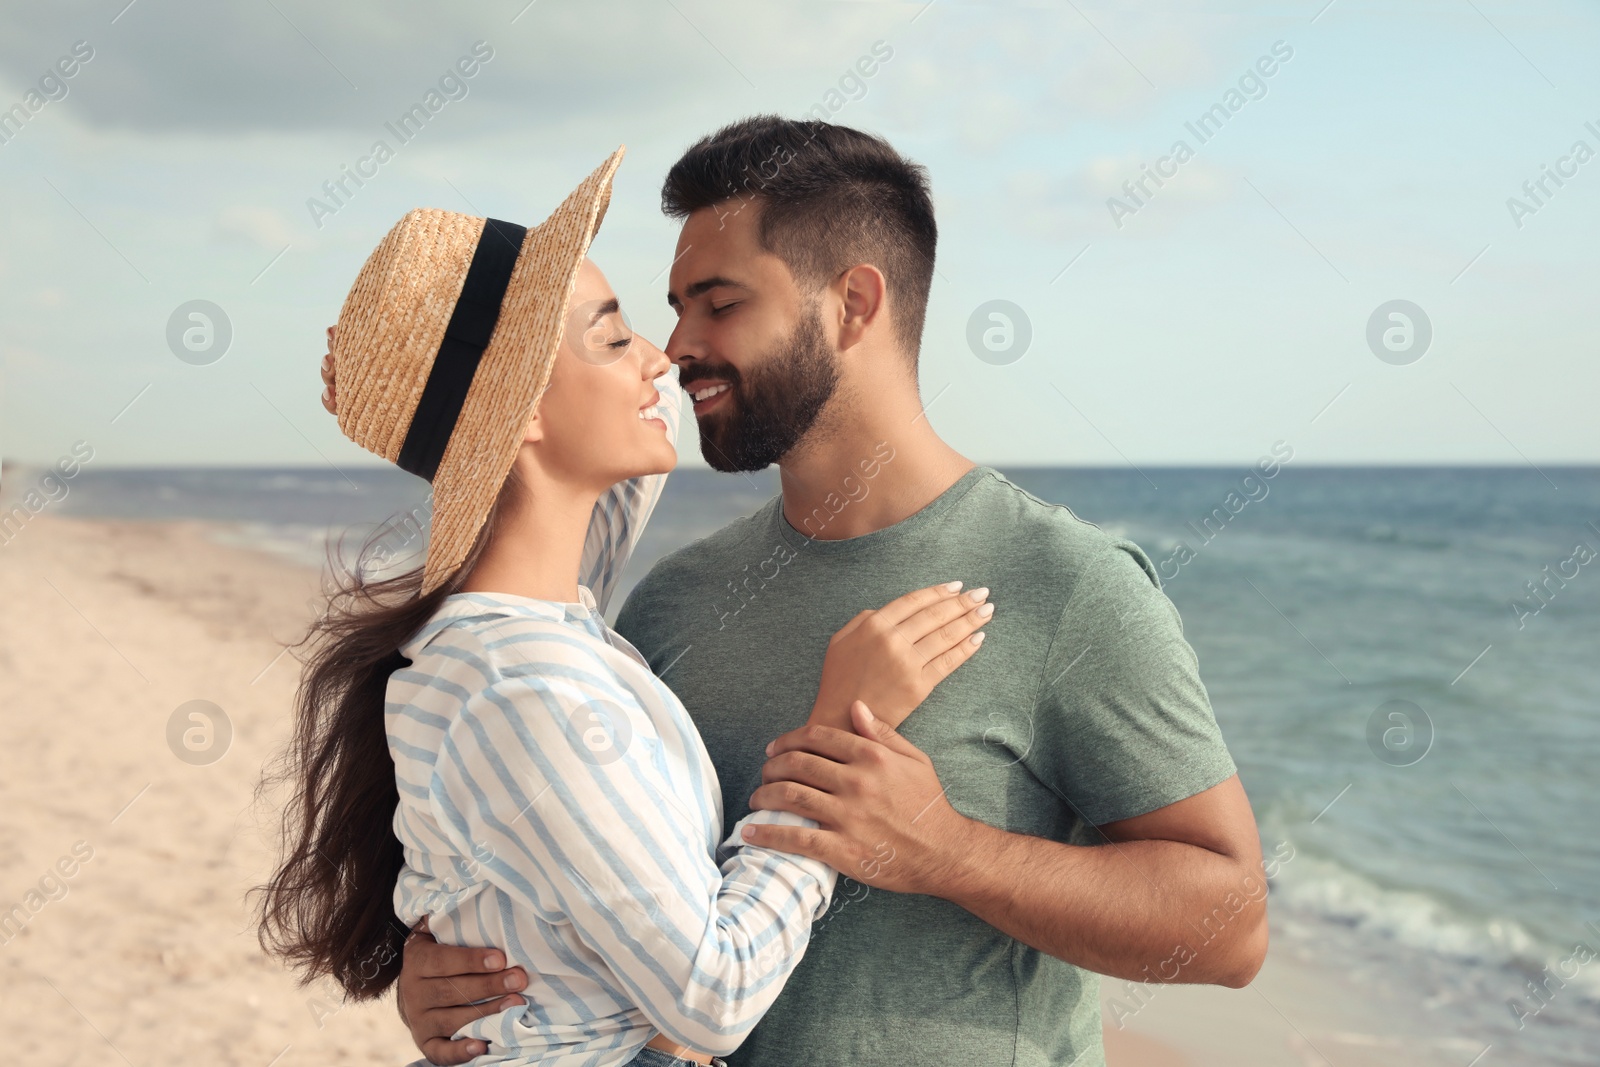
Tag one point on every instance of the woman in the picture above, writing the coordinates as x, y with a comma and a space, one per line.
473, 737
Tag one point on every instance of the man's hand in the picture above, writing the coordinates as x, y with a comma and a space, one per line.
1130, 908
330, 395
884, 818
438, 985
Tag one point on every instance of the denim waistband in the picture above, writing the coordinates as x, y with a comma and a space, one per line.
654, 1057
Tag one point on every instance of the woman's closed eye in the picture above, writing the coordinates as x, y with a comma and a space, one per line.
598, 340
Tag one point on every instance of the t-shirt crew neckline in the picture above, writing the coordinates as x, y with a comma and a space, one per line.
931, 512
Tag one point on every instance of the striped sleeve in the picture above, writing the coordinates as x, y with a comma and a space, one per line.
543, 774
620, 515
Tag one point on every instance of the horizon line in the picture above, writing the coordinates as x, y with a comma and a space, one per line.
8, 464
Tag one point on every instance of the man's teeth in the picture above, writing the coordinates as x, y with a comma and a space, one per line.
709, 392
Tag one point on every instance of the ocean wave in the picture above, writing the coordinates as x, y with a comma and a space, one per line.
298, 483
1383, 533
309, 545
305, 545
1324, 889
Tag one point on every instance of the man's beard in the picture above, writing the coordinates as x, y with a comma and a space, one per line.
774, 405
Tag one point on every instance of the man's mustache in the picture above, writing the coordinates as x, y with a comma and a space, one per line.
702, 372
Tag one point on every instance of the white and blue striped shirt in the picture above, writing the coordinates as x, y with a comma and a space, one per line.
556, 801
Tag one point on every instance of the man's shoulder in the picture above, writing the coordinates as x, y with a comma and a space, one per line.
1046, 537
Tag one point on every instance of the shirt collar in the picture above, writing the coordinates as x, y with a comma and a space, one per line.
462, 606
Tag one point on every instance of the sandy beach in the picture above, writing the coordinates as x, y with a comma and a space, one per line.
146, 951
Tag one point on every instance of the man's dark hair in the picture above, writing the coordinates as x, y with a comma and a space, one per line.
829, 197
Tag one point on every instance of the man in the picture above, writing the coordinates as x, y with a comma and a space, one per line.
1061, 807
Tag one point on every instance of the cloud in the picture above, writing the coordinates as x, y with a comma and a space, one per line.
1076, 206
1054, 69
259, 226
306, 66
1109, 82
23, 362
989, 119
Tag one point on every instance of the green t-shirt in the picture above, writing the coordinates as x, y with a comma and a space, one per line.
1083, 707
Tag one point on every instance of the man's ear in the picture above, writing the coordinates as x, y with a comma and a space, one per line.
862, 302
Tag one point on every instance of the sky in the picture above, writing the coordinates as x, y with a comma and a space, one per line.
1356, 155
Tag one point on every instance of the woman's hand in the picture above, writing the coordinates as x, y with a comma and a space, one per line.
893, 657
330, 394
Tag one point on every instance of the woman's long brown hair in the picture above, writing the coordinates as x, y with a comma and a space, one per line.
328, 909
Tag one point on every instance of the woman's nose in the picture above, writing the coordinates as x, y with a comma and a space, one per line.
655, 362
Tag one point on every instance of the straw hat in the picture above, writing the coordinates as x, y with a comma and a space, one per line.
446, 342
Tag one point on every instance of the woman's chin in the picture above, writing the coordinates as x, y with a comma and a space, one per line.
660, 461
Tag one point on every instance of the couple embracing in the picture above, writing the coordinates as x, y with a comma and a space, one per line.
885, 773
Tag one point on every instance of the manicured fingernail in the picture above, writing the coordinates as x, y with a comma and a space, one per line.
952, 586
770, 746
976, 638
985, 611
979, 595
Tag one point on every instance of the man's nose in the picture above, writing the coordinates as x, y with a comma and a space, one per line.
681, 346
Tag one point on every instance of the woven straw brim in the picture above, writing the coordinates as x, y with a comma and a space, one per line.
391, 327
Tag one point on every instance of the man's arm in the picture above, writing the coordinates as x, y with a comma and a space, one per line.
1174, 895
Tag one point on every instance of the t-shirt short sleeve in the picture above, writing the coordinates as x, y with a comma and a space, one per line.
1124, 725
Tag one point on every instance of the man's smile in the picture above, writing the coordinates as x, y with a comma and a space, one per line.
706, 396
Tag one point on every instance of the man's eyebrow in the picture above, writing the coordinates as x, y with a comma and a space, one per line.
705, 285
608, 307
